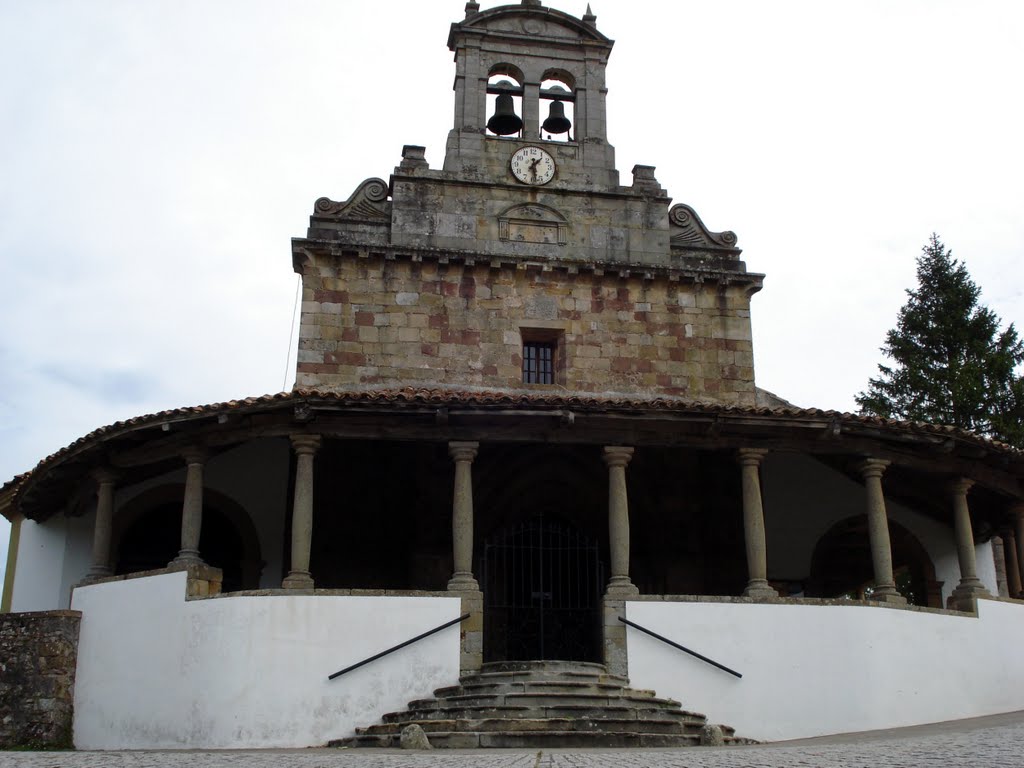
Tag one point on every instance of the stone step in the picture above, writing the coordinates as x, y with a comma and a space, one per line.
490, 725
531, 685
541, 704
530, 740
507, 712
553, 666
626, 697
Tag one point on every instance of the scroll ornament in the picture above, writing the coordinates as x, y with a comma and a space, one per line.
688, 231
368, 202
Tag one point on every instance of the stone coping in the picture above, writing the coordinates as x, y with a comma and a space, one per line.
812, 601
32, 615
209, 573
337, 593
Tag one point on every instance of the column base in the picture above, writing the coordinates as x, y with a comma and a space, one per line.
759, 589
620, 587
968, 590
297, 580
887, 594
98, 572
186, 559
463, 581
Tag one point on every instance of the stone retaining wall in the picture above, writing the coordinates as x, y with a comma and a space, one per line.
38, 654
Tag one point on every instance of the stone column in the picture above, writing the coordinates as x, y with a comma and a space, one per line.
191, 510
305, 447
617, 457
1018, 513
102, 530
753, 524
462, 517
1012, 560
970, 585
878, 533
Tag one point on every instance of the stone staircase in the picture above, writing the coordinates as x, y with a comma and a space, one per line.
541, 704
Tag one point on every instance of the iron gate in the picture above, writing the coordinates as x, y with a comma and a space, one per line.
542, 584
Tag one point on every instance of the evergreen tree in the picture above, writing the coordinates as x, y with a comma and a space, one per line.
950, 362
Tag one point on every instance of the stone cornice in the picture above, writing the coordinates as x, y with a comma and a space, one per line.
304, 250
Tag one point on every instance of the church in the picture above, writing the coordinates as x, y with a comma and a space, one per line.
526, 488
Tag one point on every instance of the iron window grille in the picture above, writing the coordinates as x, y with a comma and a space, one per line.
538, 362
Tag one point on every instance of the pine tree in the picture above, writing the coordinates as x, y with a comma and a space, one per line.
950, 362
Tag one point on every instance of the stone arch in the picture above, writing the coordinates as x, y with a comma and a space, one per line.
841, 563
507, 69
229, 539
512, 483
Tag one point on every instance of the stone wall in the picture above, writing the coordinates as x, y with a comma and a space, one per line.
38, 654
368, 321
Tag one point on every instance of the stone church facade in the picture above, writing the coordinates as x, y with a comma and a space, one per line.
525, 408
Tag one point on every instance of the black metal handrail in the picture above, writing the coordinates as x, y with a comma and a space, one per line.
398, 647
683, 648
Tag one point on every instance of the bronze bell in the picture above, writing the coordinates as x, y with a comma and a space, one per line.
557, 122
504, 121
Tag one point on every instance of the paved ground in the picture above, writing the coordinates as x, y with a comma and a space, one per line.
990, 742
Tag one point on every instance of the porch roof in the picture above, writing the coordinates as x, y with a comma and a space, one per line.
521, 416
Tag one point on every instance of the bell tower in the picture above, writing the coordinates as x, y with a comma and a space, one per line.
526, 73
522, 265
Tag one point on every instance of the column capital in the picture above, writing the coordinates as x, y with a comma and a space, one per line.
960, 486
872, 467
195, 454
304, 443
462, 450
617, 455
1017, 510
105, 475
751, 457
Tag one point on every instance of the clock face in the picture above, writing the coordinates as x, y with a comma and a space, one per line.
532, 165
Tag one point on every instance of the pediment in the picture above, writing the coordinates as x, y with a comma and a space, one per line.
533, 223
533, 21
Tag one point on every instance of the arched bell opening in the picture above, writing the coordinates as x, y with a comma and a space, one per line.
557, 108
148, 536
504, 102
842, 567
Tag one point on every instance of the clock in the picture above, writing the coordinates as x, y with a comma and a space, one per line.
533, 165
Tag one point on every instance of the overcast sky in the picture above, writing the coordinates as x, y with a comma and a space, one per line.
157, 155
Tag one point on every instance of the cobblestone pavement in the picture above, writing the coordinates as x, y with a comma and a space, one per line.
996, 742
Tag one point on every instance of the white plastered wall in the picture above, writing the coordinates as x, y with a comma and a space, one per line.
814, 670
40, 562
52, 556
157, 671
804, 498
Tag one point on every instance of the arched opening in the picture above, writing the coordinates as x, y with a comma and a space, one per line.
147, 536
841, 565
505, 101
557, 107
542, 542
